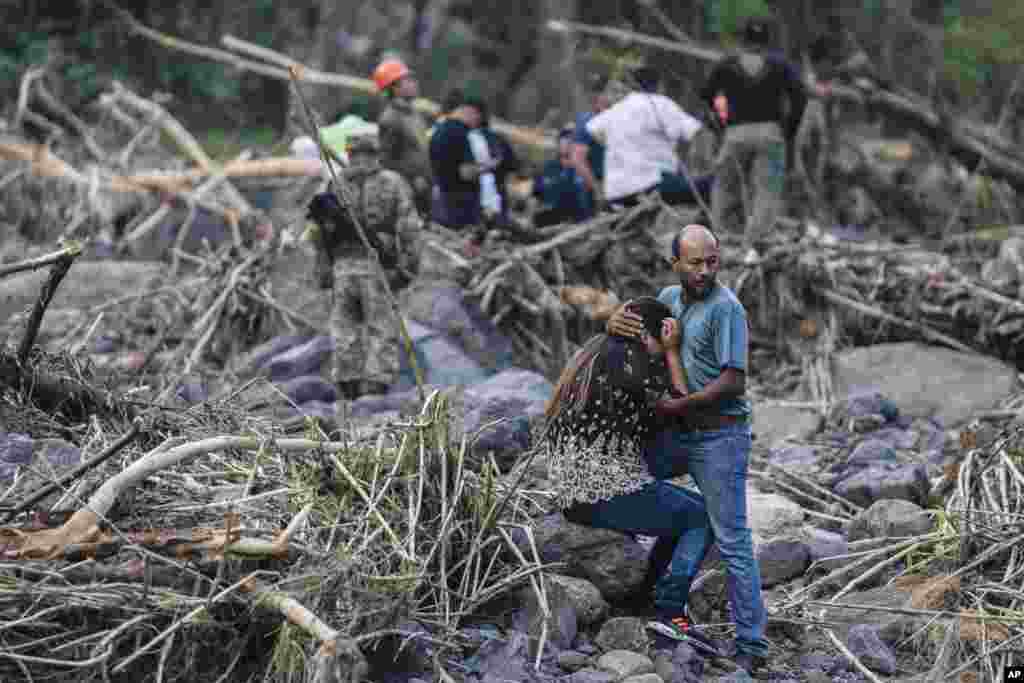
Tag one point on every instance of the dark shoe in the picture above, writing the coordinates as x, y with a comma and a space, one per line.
681, 630
749, 663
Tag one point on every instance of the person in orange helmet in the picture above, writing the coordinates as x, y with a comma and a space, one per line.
402, 130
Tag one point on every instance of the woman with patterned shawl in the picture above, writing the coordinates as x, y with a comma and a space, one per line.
598, 422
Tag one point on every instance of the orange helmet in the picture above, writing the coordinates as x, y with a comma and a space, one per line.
388, 72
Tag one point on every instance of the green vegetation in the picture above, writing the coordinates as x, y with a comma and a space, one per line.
725, 17
224, 145
974, 45
34, 49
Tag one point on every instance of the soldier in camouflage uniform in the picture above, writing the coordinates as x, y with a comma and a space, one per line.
403, 131
366, 357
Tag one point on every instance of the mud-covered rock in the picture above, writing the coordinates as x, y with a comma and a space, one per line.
782, 559
889, 518
304, 359
614, 562
623, 633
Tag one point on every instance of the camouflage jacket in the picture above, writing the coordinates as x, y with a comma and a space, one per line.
384, 207
403, 140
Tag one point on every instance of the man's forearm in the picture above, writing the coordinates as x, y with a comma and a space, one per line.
675, 369
730, 384
726, 386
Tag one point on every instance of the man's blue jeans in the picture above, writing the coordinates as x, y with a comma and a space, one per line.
679, 520
718, 460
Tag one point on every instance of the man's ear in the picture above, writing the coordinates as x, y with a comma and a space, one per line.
676, 263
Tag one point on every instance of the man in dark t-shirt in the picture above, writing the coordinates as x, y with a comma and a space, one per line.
759, 98
455, 170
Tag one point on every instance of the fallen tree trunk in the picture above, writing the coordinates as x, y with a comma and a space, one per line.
44, 163
277, 65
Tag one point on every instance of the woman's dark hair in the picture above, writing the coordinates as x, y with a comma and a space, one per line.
652, 311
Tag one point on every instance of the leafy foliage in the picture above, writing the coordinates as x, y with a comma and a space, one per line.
974, 45
725, 17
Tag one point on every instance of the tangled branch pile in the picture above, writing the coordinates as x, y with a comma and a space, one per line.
876, 292
210, 530
965, 612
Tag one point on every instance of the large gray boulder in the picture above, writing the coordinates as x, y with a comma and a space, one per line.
782, 559
515, 397
440, 359
925, 381
588, 604
775, 423
883, 480
442, 306
615, 563
890, 518
770, 514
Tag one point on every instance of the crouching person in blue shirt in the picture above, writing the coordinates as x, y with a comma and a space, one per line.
708, 429
561, 189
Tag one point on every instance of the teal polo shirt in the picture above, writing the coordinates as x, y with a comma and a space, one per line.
714, 337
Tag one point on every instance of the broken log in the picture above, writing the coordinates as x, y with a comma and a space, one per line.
277, 65
46, 164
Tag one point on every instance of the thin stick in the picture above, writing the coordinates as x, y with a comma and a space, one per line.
57, 273
852, 657
36, 263
54, 105
284, 310
916, 612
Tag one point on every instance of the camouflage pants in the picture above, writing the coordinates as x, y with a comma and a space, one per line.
367, 342
750, 174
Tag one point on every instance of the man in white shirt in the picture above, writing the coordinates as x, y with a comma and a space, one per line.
640, 134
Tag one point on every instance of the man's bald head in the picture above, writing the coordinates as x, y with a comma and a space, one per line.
695, 234
695, 258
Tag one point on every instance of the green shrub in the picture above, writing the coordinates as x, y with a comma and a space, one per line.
726, 17
974, 45
224, 145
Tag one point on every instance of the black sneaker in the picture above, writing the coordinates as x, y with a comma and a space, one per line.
681, 630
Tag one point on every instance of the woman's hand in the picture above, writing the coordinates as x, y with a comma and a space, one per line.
671, 337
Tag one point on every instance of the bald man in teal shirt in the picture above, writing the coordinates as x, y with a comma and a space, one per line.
710, 424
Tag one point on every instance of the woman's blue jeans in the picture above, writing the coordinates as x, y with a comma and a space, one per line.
718, 460
676, 517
